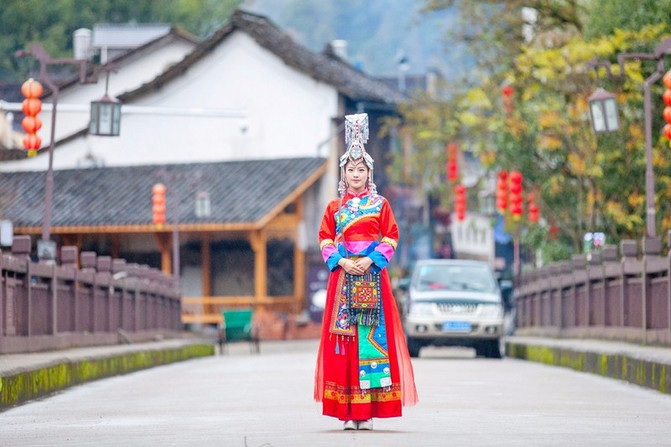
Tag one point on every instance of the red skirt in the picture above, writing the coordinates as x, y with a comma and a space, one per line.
337, 374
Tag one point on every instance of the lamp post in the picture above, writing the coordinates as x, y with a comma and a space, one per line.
46, 249
610, 109
105, 114
603, 111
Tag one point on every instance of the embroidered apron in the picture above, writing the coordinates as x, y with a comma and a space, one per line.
358, 311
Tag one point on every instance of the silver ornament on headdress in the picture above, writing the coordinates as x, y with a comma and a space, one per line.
356, 135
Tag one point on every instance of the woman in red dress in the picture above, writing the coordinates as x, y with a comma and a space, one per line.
363, 366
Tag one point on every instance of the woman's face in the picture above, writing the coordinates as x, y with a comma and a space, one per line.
356, 176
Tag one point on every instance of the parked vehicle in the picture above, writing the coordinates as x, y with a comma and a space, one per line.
454, 303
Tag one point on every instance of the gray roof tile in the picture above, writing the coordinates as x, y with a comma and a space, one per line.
240, 192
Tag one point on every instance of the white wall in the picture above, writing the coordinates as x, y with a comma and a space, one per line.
473, 237
288, 115
131, 75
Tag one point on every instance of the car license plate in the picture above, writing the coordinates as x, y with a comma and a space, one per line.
457, 326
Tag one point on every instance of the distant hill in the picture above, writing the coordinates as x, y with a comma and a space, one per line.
377, 32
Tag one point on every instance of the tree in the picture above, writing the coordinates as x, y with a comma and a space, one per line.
51, 23
583, 182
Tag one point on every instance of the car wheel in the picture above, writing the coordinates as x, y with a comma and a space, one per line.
493, 349
413, 347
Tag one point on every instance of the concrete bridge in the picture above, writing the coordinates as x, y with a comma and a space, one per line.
244, 399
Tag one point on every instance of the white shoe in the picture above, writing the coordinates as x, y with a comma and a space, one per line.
365, 425
349, 425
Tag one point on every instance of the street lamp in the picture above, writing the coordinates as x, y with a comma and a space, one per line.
46, 247
603, 111
105, 115
658, 55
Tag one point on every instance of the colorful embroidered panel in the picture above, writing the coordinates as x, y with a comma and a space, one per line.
340, 319
350, 214
374, 370
355, 395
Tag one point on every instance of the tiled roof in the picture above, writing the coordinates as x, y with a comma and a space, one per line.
325, 67
239, 191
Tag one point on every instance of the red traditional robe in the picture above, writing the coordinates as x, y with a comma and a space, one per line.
370, 230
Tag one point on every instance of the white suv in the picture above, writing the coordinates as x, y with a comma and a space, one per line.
454, 302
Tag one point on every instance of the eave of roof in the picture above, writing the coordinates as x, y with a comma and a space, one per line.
174, 34
322, 67
244, 195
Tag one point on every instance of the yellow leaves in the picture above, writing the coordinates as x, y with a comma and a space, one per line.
579, 50
477, 97
548, 142
658, 160
555, 185
579, 108
469, 119
617, 212
487, 158
666, 221
548, 119
635, 137
577, 164
636, 199
516, 127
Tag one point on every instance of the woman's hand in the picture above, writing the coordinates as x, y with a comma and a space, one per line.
351, 267
364, 263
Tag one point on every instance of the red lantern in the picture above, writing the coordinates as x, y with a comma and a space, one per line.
31, 89
460, 202
31, 124
534, 211
452, 167
667, 97
507, 92
515, 197
158, 204
667, 79
32, 142
31, 107
502, 191
667, 131
667, 114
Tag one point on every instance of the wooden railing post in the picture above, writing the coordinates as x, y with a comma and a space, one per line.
652, 247
104, 277
566, 270
594, 274
668, 285
579, 263
629, 251
609, 258
21, 251
88, 264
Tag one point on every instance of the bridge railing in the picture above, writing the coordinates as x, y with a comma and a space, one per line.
606, 295
102, 301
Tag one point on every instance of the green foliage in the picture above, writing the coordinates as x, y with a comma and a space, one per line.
583, 182
51, 23
606, 16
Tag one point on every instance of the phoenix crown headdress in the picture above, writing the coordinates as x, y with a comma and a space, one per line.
356, 135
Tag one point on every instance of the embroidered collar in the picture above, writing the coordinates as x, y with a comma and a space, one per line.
351, 194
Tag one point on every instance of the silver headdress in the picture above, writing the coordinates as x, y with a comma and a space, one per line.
356, 135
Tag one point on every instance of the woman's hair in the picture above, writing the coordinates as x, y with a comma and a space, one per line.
349, 163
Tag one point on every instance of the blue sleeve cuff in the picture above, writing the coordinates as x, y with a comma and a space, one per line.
379, 260
332, 261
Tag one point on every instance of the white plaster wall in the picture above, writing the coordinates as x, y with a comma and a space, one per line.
129, 77
473, 237
288, 114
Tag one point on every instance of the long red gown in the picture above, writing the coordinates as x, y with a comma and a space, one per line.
370, 230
